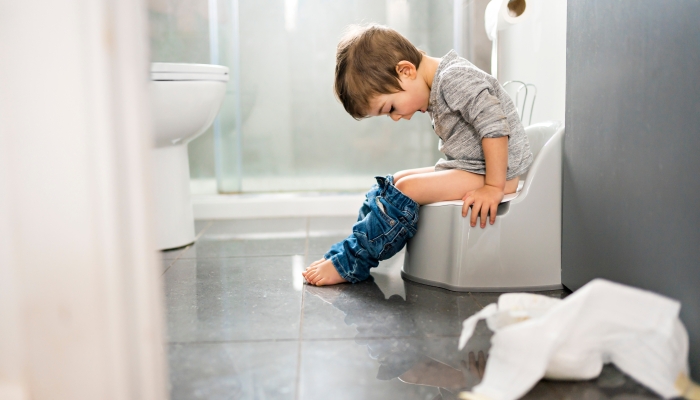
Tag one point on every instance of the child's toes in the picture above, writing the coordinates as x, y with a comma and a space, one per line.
316, 263
306, 275
312, 276
310, 268
317, 279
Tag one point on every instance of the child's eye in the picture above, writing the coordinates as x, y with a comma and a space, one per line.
391, 110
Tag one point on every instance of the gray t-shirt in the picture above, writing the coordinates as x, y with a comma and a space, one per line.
466, 105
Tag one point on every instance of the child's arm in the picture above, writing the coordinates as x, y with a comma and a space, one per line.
487, 198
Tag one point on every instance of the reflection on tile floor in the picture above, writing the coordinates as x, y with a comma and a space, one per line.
242, 325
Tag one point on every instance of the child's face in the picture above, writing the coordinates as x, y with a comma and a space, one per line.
402, 105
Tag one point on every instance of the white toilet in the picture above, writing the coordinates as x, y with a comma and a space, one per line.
521, 251
185, 99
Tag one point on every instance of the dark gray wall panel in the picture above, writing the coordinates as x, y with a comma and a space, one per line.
631, 207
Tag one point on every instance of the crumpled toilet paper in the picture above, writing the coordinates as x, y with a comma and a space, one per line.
570, 339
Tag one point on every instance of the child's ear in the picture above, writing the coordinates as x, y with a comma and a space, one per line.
406, 69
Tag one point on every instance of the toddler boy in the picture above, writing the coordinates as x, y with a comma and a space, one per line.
379, 72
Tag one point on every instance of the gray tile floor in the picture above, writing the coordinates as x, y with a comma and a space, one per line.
242, 324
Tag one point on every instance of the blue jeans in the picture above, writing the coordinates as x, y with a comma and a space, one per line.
387, 219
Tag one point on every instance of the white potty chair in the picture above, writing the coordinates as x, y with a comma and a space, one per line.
521, 251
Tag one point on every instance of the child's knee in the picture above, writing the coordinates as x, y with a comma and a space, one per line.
408, 186
398, 176
403, 174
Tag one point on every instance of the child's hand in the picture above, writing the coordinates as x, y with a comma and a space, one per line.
484, 199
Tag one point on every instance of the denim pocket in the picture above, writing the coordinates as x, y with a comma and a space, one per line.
381, 207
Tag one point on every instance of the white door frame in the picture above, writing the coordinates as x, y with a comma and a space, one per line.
82, 303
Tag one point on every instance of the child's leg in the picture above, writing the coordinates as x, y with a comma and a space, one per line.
419, 187
384, 230
322, 272
425, 185
364, 209
453, 184
402, 174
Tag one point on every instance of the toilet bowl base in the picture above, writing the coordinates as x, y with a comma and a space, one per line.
174, 217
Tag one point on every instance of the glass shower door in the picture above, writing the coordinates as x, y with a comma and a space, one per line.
280, 127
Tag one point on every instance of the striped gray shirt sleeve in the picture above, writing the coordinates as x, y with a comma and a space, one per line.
472, 97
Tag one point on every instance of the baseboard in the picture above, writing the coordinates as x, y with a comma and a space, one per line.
275, 205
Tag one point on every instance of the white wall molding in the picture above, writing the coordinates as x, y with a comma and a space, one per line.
276, 205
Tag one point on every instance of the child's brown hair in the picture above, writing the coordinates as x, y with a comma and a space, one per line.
365, 65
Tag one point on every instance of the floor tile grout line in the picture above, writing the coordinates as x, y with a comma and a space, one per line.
214, 342
211, 222
314, 339
188, 246
246, 256
475, 300
175, 259
306, 243
301, 314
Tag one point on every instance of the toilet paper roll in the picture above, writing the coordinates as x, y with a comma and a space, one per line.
502, 14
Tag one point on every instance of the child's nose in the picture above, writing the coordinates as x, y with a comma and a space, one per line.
395, 117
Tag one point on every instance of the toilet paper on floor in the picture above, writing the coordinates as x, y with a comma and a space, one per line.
501, 14
603, 322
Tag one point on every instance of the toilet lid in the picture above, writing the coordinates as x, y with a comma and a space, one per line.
188, 72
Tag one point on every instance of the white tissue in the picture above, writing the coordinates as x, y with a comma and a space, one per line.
498, 17
536, 336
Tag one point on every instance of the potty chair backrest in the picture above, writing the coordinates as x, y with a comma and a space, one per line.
538, 135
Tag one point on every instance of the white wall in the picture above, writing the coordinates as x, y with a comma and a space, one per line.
81, 301
534, 51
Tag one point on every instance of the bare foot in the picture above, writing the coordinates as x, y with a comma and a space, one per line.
322, 273
308, 269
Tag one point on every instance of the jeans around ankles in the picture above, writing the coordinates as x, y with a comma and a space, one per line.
387, 219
